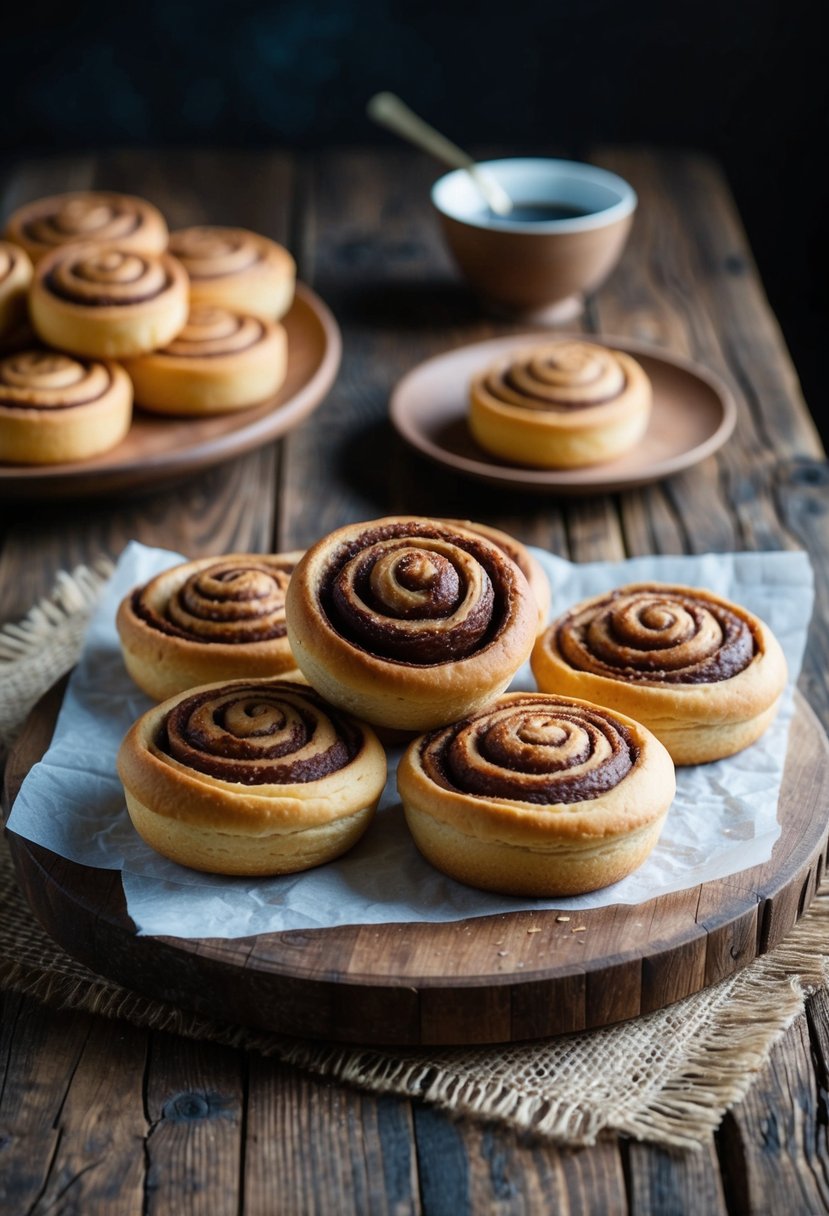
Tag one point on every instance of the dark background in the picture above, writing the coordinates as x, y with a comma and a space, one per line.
745, 80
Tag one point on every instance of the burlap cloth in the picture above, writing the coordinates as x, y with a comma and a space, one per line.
668, 1077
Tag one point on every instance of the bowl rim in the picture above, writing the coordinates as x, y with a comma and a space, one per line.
594, 174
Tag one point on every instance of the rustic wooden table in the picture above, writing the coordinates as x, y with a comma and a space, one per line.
100, 1117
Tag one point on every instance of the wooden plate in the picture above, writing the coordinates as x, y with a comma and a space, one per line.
491, 979
693, 415
159, 449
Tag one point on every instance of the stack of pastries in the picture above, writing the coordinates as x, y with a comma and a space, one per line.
285, 675
101, 306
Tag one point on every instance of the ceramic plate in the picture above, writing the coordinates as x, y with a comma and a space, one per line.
693, 415
160, 449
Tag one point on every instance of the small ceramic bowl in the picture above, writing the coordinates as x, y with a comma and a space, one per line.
566, 233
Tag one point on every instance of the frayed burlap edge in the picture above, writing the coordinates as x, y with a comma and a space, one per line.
756, 1008
37, 651
753, 1010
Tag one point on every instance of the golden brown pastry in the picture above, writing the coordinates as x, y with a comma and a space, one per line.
251, 777
87, 215
236, 269
529, 565
704, 674
408, 622
564, 404
216, 618
15, 278
537, 795
221, 361
56, 409
106, 301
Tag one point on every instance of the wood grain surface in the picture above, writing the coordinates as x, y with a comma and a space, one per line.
103, 1118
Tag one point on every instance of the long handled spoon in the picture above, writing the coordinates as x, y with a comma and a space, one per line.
389, 111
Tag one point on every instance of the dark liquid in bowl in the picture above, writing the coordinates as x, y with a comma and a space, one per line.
538, 213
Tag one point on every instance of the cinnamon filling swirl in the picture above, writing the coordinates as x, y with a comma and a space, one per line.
657, 636
531, 750
226, 603
84, 218
215, 332
256, 734
416, 594
559, 377
46, 380
214, 253
103, 277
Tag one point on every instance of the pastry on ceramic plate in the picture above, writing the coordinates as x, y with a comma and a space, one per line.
251, 777
409, 622
106, 301
704, 674
537, 795
55, 409
216, 618
564, 404
221, 361
236, 269
87, 215
15, 277
528, 564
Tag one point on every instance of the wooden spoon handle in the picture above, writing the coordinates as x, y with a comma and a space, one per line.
389, 111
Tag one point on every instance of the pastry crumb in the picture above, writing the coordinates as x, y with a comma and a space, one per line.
562, 919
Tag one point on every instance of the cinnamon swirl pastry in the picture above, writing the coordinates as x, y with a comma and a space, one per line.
217, 618
221, 361
529, 566
88, 215
704, 674
236, 269
409, 622
253, 777
15, 277
565, 404
107, 301
537, 795
56, 409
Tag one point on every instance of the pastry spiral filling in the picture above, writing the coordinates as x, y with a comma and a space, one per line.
275, 733
85, 218
103, 276
652, 635
532, 749
228, 602
416, 594
561, 376
42, 379
212, 253
90, 217
213, 332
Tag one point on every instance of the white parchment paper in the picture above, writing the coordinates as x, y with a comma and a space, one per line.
724, 818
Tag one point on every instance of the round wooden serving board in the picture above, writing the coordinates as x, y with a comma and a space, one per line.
492, 979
